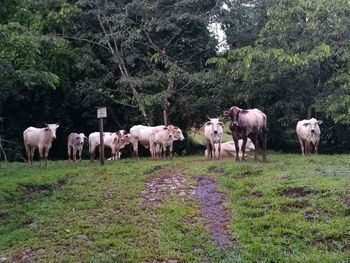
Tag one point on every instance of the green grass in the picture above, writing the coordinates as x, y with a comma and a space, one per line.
90, 213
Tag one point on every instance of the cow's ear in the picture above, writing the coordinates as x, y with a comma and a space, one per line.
175, 127
47, 129
319, 122
221, 123
226, 113
208, 123
306, 124
165, 128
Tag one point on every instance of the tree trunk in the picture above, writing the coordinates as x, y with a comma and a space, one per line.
311, 112
166, 102
2, 151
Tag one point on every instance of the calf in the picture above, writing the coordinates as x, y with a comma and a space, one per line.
213, 134
113, 140
245, 122
228, 149
75, 144
40, 138
308, 133
159, 140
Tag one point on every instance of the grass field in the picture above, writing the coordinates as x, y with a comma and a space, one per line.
290, 209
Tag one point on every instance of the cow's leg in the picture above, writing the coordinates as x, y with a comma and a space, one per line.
74, 154
41, 153
302, 146
264, 144
28, 151
164, 151
80, 152
135, 145
219, 148
306, 147
236, 148
316, 147
46, 154
256, 147
243, 147
171, 150
91, 152
68, 151
152, 150
208, 149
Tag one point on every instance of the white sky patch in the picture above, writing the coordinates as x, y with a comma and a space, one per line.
219, 34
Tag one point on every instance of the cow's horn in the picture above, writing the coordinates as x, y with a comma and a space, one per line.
208, 117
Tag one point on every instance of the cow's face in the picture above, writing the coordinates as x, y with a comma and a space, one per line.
81, 138
127, 138
52, 129
233, 112
178, 134
121, 132
312, 124
169, 130
216, 125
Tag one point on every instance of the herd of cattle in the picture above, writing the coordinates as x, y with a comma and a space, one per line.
159, 139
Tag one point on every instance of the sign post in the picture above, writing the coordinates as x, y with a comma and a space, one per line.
101, 113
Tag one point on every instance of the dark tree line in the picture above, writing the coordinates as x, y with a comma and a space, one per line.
156, 61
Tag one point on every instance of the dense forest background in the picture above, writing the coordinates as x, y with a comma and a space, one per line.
156, 61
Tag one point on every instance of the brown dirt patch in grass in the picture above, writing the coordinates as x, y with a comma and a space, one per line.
256, 194
32, 191
218, 170
346, 199
165, 184
213, 211
296, 192
298, 205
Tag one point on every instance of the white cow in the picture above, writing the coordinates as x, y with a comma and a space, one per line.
159, 140
228, 149
40, 138
113, 140
141, 133
213, 131
308, 133
75, 144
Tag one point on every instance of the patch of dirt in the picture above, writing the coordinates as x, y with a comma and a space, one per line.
165, 184
340, 243
152, 170
213, 211
296, 191
346, 199
27, 255
257, 194
294, 206
108, 194
248, 173
32, 191
162, 261
281, 177
219, 170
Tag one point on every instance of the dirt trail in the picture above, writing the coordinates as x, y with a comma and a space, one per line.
164, 184
213, 211
174, 183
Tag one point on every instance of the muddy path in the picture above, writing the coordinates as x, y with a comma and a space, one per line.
213, 211
203, 189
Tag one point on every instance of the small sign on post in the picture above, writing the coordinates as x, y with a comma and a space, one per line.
101, 113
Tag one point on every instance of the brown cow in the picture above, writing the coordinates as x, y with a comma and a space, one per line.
245, 122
